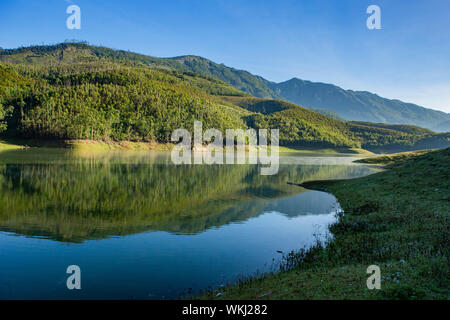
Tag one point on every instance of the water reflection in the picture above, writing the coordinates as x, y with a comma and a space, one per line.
76, 197
73, 197
141, 227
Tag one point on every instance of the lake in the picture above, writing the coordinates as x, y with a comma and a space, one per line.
140, 227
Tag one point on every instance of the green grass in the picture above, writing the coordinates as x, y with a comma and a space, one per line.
91, 145
283, 149
8, 146
83, 145
393, 158
397, 219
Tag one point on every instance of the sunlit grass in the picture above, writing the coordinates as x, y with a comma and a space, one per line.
398, 219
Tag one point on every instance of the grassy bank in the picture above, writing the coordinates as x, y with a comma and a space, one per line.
393, 158
97, 145
83, 145
8, 146
302, 149
397, 219
90, 145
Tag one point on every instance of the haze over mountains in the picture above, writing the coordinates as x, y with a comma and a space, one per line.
325, 98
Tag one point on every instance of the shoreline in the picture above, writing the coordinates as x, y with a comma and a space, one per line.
397, 219
96, 145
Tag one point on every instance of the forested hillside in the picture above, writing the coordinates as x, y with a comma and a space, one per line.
108, 101
76, 91
332, 100
300, 126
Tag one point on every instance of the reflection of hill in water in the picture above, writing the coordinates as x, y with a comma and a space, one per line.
75, 199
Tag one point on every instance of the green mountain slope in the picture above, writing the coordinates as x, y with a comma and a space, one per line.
302, 127
359, 105
77, 91
107, 101
240, 79
351, 105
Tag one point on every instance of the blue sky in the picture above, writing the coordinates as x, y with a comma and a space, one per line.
318, 40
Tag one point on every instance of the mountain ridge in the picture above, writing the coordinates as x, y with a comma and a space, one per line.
349, 104
363, 108
358, 105
77, 91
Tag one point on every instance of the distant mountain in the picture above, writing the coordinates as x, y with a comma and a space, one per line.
348, 104
359, 105
442, 126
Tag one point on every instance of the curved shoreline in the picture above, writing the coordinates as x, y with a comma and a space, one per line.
397, 219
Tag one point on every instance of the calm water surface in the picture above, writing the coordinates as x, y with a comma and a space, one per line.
140, 227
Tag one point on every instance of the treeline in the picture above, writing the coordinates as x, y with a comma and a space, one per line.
107, 101
302, 127
395, 138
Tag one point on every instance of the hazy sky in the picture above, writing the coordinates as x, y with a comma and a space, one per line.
318, 40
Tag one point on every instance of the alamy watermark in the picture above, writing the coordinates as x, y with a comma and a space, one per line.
74, 20
242, 146
374, 280
74, 280
374, 20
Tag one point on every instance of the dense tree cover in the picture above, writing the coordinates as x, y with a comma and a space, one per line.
76, 91
329, 113
352, 105
260, 105
75, 52
240, 79
377, 138
303, 127
108, 101
396, 127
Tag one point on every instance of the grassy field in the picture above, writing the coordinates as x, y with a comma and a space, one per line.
393, 158
91, 145
302, 149
84, 145
397, 219
4, 146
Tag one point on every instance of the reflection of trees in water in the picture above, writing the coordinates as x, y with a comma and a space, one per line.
93, 198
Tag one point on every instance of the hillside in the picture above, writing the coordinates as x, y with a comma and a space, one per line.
348, 104
359, 105
303, 127
77, 91
107, 101
240, 79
